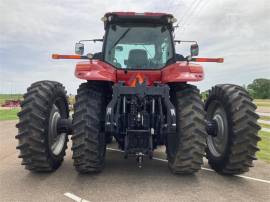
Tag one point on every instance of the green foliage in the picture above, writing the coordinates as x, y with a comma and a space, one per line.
259, 89
204, 95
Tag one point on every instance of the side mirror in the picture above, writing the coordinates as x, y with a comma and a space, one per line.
194, 50
79, 48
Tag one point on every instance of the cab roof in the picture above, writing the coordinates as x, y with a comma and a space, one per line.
136, 14
133, 17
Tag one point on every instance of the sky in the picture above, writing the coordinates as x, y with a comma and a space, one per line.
30, 31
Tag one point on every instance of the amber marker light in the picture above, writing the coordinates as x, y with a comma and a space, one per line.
58, 56
218, 60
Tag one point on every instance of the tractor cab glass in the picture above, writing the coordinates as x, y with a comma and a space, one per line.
138, 47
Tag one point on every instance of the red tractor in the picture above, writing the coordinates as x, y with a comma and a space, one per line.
137, 91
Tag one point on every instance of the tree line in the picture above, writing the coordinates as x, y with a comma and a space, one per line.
259, 89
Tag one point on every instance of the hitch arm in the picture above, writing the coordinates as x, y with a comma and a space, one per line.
218, 60
58, 56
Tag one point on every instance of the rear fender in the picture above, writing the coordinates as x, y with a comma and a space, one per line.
182, 72
95, 70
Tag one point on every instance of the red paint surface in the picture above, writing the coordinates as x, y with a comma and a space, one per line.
95, 70
182, 72
101, 71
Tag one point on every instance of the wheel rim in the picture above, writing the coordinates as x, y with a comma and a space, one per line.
56, 140
217, 145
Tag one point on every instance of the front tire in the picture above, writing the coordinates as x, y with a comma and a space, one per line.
185, 148
233, 148
88, 140
41, 147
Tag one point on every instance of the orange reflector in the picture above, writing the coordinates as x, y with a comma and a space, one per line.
219, 60
138, 78
57, 56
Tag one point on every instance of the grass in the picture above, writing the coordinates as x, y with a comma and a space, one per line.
71, 99
265, 118
262, 104
264, 145
262, 100
263, 125
8, 114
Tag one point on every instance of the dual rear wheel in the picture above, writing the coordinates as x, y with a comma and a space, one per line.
230, 145
42, 143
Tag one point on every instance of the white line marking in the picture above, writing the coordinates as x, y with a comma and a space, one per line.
252, 178
203, 168
74, 197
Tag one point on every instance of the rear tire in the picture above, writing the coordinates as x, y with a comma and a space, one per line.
43, 100
233, 149
109, 139
88, 140
185, 148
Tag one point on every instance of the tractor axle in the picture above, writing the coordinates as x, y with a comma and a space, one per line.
212, 128
64, 126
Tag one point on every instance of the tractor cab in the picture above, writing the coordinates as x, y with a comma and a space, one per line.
138, 41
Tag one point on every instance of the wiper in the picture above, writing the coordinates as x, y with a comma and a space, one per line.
119, 39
